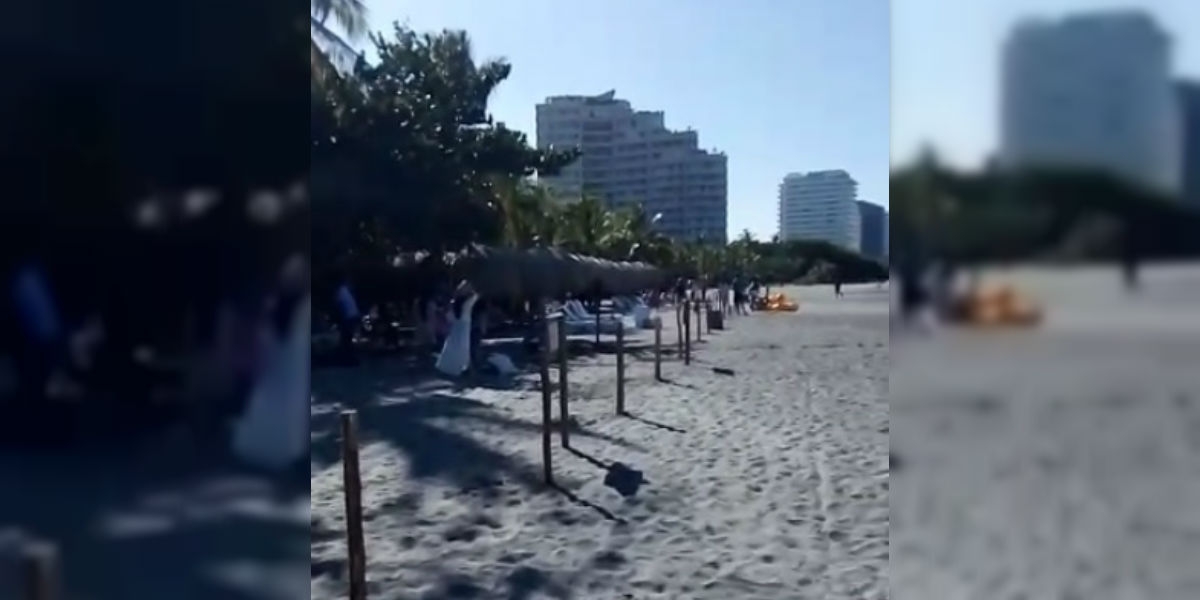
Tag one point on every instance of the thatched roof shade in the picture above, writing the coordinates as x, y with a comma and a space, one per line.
552, 272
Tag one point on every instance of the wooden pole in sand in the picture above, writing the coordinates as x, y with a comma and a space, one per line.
621, 370
687, 334
658, 348
352, 484
544, 366
41, 571
680, 308
563, 411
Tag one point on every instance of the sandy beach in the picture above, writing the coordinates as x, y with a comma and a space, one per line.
1056, 463
771, 482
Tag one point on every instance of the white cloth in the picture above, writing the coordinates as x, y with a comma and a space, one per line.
273, 432
504, 365
456, 351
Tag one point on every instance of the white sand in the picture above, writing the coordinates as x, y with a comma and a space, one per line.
1061, 463
771, 483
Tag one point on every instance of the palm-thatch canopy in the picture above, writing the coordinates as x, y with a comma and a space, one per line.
496, 273
510, 273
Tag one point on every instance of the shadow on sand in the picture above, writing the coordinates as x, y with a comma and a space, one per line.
678, 384
411, 426
651, 423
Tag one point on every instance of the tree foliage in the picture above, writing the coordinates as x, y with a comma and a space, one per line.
992, 216
405, 154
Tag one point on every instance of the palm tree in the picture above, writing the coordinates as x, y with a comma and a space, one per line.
586, 227
743, 255
632, 236
529, 216
327, 48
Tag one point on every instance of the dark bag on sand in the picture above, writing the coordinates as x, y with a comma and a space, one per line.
623, 479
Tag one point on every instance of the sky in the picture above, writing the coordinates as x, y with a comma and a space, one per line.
778, 85
945, 66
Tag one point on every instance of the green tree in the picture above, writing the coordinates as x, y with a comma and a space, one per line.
530, 216
586, 227
406, 156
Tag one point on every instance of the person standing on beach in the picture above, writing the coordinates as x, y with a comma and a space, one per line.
739, 297
348, 319
455, 357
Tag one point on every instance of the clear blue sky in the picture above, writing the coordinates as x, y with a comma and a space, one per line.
778, 85
945, 66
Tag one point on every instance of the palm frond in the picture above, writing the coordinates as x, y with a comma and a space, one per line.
350, 16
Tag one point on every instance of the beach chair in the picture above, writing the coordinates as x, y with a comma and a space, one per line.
627, 320
575, 325
609, 323
635, 308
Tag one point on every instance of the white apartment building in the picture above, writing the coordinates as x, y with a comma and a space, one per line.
1092, 91
820, 205
631, 157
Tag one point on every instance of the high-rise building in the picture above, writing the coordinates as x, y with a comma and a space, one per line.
820, 205
631, 157
1091, 91
873, 240
1189, 102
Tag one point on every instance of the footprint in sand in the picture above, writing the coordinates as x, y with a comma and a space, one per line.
609, 560
461, 533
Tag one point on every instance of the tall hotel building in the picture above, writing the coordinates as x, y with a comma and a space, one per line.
820, 205
629, 156
1092, 91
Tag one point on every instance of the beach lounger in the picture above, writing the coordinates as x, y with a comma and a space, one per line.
574, 324
628, 321
637, 310
609, 323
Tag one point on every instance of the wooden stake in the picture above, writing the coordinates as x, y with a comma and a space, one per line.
597, 309
563, 411
687, 334
680, 308
621, 370
352, 483
547, 424
658, 348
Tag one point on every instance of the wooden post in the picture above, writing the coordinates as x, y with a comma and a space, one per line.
352, 484
687, 334
621, 370
547, 421
563, 411
680, 308
657, 348
41, 571
699, 322
707, 321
